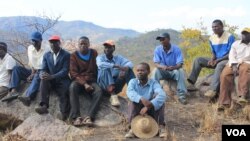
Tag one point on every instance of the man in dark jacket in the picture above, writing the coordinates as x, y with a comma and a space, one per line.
54, 75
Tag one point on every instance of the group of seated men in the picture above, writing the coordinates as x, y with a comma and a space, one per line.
85, 72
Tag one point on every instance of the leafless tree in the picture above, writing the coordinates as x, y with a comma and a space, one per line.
18, 41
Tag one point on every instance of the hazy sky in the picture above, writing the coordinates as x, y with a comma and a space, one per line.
140, 15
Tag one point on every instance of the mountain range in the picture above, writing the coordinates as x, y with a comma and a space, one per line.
66, 29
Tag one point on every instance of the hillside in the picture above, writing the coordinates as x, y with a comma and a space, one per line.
141, 48
67, 29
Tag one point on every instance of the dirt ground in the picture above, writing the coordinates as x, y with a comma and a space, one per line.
196, 121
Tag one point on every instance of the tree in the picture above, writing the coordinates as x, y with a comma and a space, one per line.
18, 35
195, 44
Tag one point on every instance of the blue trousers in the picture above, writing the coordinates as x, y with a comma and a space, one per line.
108, 77
20, 73
177, 75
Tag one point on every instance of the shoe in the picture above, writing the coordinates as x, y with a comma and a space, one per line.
25, 100
10, 96
162, 132
191, 87
222, 107
183, 101
130, 134
42, 110
210, 93
114, 100
242, 100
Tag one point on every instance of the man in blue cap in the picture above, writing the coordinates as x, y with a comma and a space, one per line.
35, 56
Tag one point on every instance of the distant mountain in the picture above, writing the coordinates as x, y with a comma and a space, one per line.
67, 29
141, 48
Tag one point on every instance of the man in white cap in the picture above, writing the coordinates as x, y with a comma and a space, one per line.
113, 72
146, 97
238, 64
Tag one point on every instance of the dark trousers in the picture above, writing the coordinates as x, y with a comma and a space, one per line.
61, 87
75, 90
20, 73
135, 108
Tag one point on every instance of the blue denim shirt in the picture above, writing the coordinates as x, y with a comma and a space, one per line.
104, 63
170, 58
151, 91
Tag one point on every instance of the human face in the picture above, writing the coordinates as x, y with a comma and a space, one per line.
217, 28
83, 45
142, 72
246, 37
36, 44
2, 52
55, 45
108, 50
164, 42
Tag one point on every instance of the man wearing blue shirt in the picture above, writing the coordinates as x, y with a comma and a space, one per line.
113, 71
220, 43
168, 61
147, 97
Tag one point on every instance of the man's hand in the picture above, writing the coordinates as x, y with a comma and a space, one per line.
235, 70
212, 63
46, 76
144, 110
88, 87
145, 102
29, 79
122, 74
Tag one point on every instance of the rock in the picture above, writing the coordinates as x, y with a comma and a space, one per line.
46, 127
106, 116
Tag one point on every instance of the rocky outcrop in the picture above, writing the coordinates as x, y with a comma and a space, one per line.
48, 127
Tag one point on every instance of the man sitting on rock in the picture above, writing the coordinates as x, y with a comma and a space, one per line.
7, 63
220, 43
238, 64
54, 76
113, 72
168, 60
83, 71
35, 57
146, 97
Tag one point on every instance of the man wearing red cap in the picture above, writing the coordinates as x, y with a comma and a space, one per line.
54, 75
238, 65
113, 71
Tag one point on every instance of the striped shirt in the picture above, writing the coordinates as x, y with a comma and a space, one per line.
221, 45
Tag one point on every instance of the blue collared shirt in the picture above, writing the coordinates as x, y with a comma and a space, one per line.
151, 91
170, 58
103, 62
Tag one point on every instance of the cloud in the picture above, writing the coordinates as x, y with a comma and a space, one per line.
189, 12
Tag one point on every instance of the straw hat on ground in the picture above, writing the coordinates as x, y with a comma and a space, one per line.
144, 126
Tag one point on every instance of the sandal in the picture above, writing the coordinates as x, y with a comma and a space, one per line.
78, 121
87, 121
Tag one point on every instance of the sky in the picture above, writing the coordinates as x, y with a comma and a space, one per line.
139, 15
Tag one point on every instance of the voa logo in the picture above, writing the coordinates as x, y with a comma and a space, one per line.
236, 132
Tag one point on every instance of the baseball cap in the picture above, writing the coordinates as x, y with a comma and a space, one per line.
163, 35
37, 36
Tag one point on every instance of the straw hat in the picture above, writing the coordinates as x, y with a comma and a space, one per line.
144, 126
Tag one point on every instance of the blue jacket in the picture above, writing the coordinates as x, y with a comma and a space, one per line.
59, 71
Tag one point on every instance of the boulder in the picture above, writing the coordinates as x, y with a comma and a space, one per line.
106, 116
47, 128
